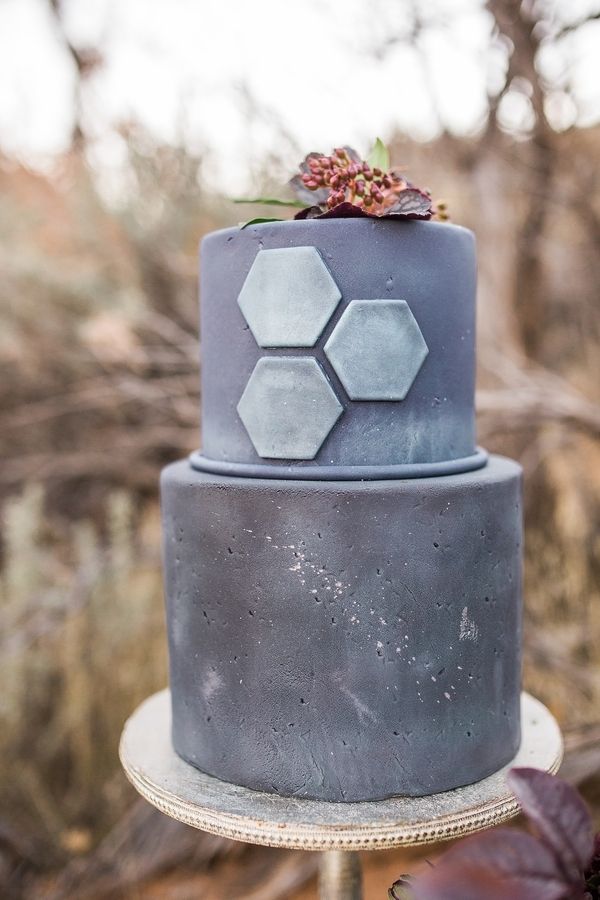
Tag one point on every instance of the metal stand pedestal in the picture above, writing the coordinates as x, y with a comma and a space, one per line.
337, 829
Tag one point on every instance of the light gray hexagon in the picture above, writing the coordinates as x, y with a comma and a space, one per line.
288, 407
377, 349
288, 297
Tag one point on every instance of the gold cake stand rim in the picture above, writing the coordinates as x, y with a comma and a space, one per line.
181, 791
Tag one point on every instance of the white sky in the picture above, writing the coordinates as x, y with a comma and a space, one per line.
178, 65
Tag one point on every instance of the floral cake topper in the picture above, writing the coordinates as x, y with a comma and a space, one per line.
342, 185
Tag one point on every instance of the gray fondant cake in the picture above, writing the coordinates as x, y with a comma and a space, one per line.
343, 564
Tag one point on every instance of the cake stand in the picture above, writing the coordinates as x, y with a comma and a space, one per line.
339, 830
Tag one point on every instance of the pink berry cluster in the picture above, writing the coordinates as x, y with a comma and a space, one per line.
351, 180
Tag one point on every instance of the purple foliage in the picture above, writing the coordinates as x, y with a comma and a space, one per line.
559, 815
343, 185
560, 862
411, 204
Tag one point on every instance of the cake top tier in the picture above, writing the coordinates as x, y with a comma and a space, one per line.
338, 348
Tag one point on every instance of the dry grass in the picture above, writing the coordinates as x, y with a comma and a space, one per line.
82, 641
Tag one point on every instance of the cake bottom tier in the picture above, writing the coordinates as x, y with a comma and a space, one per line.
344, 641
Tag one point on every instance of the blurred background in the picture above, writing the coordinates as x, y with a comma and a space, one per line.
125, 126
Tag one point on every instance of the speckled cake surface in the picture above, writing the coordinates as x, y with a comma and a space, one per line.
337, 632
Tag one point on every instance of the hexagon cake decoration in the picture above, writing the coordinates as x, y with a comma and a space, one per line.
288, 297
288, 407
377, 349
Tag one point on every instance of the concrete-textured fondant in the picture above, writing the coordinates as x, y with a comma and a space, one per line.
302, 472
430, 265
288, 407
288, 297
377, 349
344, 641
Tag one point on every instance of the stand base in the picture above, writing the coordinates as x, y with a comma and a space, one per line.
184, 793
340, 876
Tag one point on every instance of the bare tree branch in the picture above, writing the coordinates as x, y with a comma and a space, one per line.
86, 61
575, 26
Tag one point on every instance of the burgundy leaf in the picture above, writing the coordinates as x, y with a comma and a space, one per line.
349, 210
311, 212
411, 203
303, 193
454, 881
559, 815
341, 211
352, 154
497, 865
593, 867
345, 210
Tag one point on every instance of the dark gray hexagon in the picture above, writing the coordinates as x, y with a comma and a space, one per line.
288, 407
288, 297
377, 349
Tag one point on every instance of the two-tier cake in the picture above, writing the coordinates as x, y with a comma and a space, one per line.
343, 564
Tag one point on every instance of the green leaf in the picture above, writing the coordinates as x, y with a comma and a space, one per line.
270, 201
259, 221
379, 157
